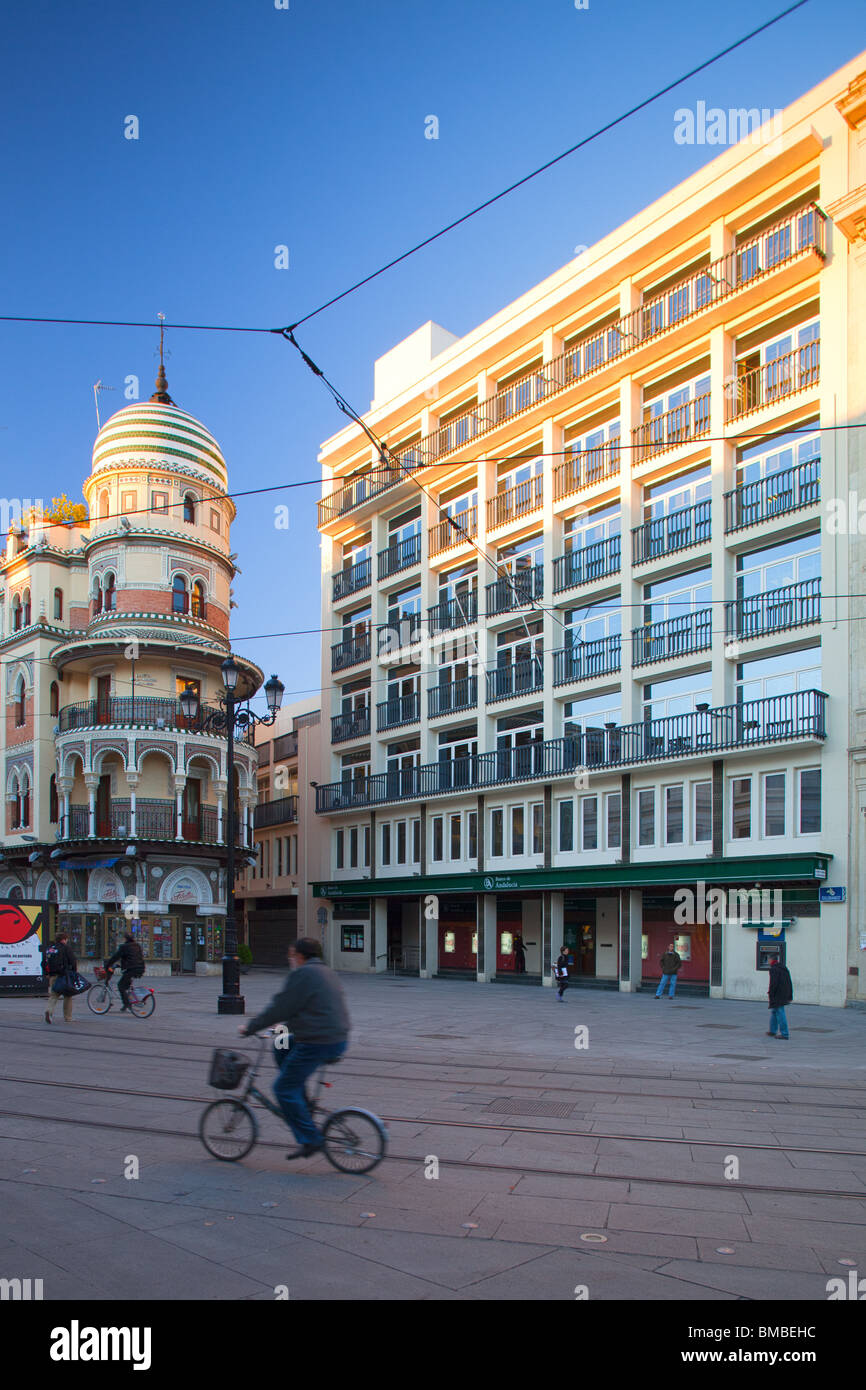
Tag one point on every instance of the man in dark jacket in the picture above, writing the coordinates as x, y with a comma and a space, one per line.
780, 992
130, 955
60, 962
670, 964
312, 1004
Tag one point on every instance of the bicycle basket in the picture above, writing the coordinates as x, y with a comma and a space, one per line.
99, 972
227, 1069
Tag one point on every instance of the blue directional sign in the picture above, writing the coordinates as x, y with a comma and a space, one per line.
832, 895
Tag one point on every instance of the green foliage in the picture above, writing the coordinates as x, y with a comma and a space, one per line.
63, 512
245, 955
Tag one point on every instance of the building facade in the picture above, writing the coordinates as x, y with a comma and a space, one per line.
597, 676
115, 803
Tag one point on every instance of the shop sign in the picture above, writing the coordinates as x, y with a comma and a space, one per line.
832, 895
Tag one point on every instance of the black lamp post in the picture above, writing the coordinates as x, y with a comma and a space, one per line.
226, 720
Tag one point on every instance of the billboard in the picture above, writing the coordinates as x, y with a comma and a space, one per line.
23, 927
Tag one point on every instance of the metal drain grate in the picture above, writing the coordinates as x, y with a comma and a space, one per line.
553, 1109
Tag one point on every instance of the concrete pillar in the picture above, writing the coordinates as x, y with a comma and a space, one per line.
179, 784
487, 936
379, 945
631, 493
631, 931
132, 779
556, 917
91, 782
722, 465
220, 790
428, 940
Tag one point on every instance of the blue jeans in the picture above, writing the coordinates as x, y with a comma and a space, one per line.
778, 1020
299, 1063
661, 989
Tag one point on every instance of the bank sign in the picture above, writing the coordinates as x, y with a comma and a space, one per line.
20, 940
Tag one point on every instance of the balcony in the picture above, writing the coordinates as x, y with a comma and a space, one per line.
350, 652
586, 563
678, 531
520, 678
355, 724
140, 712
681, 425
452, 613
792, 605
392, 638
283, 811
779, 719
155, 819
453, 531
354, 577
401, 556
515, 502
515, 590
583, 660
393, 714
794, 237
453, 697
775, 381
778, 493
584, 467
691, 632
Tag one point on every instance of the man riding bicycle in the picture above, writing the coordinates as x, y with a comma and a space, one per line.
130, 955
313, 1006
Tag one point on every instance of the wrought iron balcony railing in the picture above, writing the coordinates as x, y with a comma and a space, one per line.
282, 811
453, 531
676, 531
587, 562
453, 697
680, 636
355, 724
515, 502
583, 467
520, 678
792, 605
777, 719
680, 425
139, 711
452, 613
400, 633
405, 709
775, 381
583, 660
514, 590
778, 493
399, 557
155, 819
350, 652
799, 234
352, 578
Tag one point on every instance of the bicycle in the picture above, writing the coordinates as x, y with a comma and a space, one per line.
103, 994
355, 1140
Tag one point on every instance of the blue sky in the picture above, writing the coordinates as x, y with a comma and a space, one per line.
305, 127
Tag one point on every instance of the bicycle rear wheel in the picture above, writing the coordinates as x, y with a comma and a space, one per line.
355, 1140
144, 1006
228, 1130
99, 999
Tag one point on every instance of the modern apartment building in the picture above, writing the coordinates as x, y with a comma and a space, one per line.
598, 673
116, 802
290, 841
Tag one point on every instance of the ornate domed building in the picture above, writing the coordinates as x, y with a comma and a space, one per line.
115, 802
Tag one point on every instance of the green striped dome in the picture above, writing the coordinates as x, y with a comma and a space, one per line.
163, 434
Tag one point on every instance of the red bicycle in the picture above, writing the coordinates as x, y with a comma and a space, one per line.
103, 994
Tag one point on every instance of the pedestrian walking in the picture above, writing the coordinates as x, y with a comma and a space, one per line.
560, 971
519, 955
60, 960
670, 963
779, 993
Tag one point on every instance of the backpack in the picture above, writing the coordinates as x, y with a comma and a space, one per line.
51, 963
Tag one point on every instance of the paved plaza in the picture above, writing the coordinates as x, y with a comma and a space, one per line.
550, 1126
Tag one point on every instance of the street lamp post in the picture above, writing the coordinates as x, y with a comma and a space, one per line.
226, 720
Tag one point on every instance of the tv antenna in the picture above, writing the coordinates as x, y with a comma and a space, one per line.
97, 387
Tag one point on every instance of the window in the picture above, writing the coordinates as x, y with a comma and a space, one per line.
741, 808
517, 830
128, 501
53, 807
614, 820
774, 803
214, 520
109, 596
472, 835
674, 815
279, 856
456, 835
703, 812
54, 699
189, 508
496, 833
159, 502
386, 844
352, 939
179, 595
27, 615
538, 828
353, 847
646, 813
810, 800
58, 605
339, 840
199, 608
416, 842
437, 840
566, 826
401, 842
589, 814
366, 846
20, 703
16, 614
104, 505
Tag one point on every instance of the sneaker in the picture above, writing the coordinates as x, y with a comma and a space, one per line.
769, 1034
783, 1037
304, 1151
47, 1016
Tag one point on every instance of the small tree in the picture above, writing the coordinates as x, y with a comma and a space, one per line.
63, 512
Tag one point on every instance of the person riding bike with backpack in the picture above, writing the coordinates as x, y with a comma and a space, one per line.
130, 956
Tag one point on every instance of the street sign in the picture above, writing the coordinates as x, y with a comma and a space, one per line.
832, 895
322, 916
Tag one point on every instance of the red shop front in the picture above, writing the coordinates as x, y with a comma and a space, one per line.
458, 939
692, 943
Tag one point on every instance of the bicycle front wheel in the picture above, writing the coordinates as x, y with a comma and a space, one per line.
355, 1140
144, 1006
228, 1130
99, 999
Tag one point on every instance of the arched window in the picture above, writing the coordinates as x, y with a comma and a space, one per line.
20, 702
54, 699
97, 597
58, 604
103, 505
199, 607
179, 595
109, 597
189, 507
53, 803
16, 614
26, 607
25, 800
14, 804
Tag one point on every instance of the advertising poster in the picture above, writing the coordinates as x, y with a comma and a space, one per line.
21, 927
